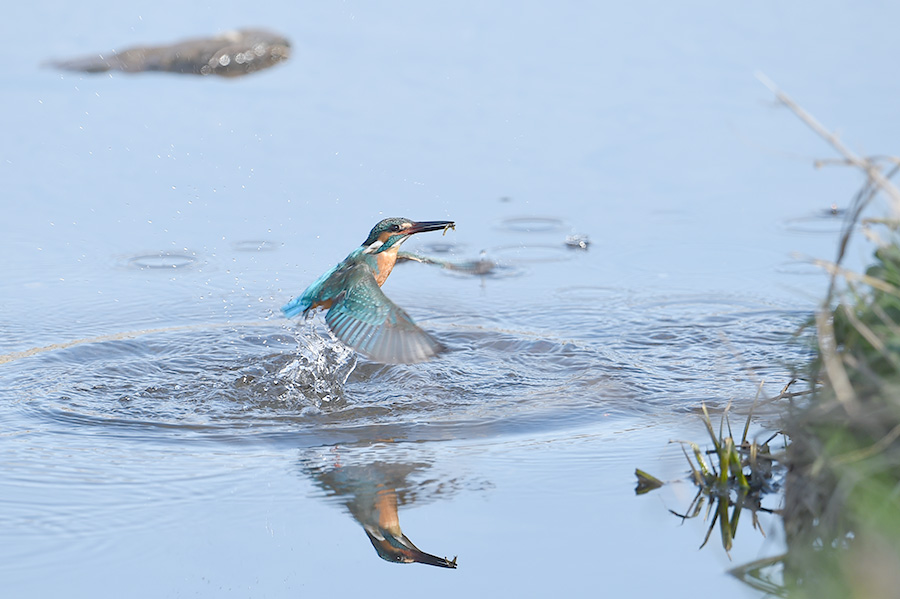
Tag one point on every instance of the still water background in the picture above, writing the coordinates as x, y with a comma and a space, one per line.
197, 454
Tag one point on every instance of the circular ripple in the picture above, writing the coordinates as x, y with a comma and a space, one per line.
532, 224
442, 247
589, 293
700, 348
162, 260
700, 258
269, 383
518, 254
799, 267
255, 245
823, 222
482, 267
585, 360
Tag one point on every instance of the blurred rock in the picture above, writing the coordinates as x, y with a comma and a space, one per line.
230, 54
578, 242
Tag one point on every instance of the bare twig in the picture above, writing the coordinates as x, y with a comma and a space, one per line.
834, 369
850, 275
865, 164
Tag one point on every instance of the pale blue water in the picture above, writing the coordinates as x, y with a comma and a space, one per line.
206, 446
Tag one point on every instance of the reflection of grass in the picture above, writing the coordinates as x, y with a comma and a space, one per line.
646, 482
733, 476
766, 575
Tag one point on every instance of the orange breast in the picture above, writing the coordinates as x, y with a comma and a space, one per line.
386, 261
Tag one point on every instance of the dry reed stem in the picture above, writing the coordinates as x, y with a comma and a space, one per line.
834, 368
867, 165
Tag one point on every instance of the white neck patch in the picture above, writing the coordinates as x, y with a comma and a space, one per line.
375, 245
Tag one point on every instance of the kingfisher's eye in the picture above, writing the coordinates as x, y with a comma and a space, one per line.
395, 227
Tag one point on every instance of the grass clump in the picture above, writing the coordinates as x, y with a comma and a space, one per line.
732, 477
841, 507
842, 489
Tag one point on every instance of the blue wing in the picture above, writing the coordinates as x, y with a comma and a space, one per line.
364, 318
320, 290
294, 307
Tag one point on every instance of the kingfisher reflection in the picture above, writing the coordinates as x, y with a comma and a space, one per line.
373, 494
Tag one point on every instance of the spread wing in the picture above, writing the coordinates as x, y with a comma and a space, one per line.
364, 318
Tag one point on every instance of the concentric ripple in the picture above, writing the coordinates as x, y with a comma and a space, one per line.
822, 222
271, 382
255, 245
162, 260
600, 353
532, 224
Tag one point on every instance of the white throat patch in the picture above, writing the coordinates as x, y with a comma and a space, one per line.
377, 244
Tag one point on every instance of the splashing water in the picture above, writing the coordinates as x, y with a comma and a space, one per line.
322, 366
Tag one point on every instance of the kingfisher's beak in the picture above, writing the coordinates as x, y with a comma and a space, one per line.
430, 225
398, 549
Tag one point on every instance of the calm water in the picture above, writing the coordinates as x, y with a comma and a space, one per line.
165, 432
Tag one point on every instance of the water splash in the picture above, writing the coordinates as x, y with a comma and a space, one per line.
321, 368
587, 360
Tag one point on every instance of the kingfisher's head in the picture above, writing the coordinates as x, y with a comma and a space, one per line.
391, 232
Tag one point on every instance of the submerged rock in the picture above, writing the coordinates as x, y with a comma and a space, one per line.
230, 54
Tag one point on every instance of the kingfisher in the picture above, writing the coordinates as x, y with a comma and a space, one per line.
359, 313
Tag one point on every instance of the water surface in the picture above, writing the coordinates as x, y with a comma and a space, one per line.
166, 432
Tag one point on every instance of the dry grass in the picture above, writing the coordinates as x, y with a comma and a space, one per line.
842, 490
842, 486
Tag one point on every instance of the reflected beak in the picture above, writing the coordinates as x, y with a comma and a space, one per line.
396, 548
430, 225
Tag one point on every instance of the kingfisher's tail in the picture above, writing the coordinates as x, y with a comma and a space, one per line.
294, 307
